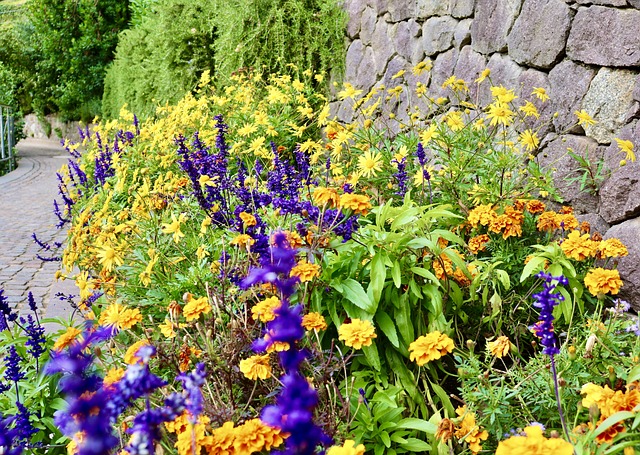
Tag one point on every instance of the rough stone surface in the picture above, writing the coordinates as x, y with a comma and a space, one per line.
629, 266
636, 89
603, 2
540, 33
634, 3
367, 25
354, 9
381, 43
443, 67
462, 8
462, 33
355, 53
605, 36
504, 71
530, 79
568, 84
492, 21
401, 10
366, 73
437, 34
428, 8
620, 194
404, 37
565, 169
607, 101
469, 66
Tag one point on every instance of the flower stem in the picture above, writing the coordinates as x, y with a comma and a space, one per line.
557, 390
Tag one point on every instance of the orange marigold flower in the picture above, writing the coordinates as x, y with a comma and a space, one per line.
483, 215
243, 240
256, 366
66, 338
548, 221
478, 243
612, 248
314, 321
442, 267
603, 281
306, 271
430, 347
278, 346
264, 310
357, 333
509, 223
113, 376
358, 203
294, 239
326, 196
500, 347
533, 443
567, 221
469, 431
566, 209
445, 430
534, 206
195, 307
578, 247
247, 219
131, 357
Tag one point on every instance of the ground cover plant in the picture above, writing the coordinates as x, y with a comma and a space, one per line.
255, 276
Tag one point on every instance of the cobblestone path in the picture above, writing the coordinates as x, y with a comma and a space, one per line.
26, 206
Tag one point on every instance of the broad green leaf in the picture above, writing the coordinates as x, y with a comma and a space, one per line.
415, 445
634, 374
396, 274
421, 242
612, 420
371, 354
404, 321
444, 398
378, 276
354, 292
405, 217
533, 265
384, 321
418, 424
503, 276
425, 274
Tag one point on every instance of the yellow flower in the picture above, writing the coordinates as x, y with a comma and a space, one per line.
612, 248
603, 281
469, 431
174, 227
66, 338
485, 74
358, 203
456, 84
584, 119
422, 67
430, 347
541, 93
247, 219
483, 215
195, 307
357, 333
325, 196
264, 310
348, 91
579, 247
500, 347
500, 114
113, 376
627, 147
243, 240
120, 316
130, 357
305, 271
502, 95
256, 366
534, 443
454, 120
370, 163
348, 448
109, 257
428, 134
398, 74
314, 321
529, 139
529, 110
166, 329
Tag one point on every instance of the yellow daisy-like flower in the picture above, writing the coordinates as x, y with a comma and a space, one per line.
529, 109
627, 147
430, 347
306, 271
428, 134
195, 307
130, 357
603, 281
540, 93
584, 118
422, 67
326, 196
174, 227
109, 257
533, 443
357, 333
348, 448
66, 338
264, 310
500, 347
502, 95
113, 376
314, 321
349, 91
256, 366
358, 203
485, 74
529, 139
370, 163
500, 114
167, 329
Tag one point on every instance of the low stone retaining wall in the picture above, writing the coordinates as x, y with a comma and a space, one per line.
585, 53
33, 127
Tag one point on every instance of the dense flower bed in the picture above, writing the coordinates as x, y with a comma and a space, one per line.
255, 276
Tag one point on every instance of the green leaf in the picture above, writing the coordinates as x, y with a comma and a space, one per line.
396, 274
405, 217
404, 321
371, 354
425, 274
384, 321
378, 276
418, 424
415, 445
421, 242
634, 374
444, 398
384, 437
533, 265
612, 420
354, 292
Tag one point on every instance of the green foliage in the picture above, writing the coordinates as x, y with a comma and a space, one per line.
73, 42
173, 42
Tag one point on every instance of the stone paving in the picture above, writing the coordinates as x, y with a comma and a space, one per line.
26, 206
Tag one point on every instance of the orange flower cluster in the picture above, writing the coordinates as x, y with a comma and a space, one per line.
251, 437
608, 402
444, 267
464, 428
306, 271
430, 347
551, 221
478, 243
509, 223
533, 442
581, 247
358, 203
603, 281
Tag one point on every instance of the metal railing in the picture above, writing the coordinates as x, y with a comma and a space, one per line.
6, 136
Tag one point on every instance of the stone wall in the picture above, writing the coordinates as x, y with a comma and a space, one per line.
585, 53
53, 129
